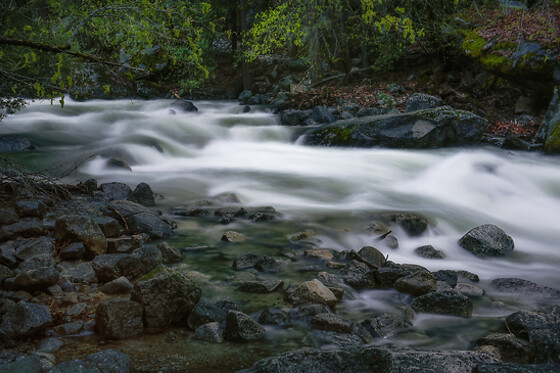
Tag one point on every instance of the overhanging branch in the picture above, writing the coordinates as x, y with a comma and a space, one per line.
63, 49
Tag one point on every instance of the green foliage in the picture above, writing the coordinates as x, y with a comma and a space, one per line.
145, 37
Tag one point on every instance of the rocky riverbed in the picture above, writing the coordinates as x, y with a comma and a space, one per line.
92, 269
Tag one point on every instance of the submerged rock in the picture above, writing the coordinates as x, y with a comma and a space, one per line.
444, 302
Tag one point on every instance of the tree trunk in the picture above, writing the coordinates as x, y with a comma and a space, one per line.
243, 27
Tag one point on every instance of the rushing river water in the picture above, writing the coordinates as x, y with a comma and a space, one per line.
335, 191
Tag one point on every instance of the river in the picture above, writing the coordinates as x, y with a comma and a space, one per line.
335, 191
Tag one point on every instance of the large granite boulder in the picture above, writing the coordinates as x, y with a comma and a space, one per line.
118, 319
167, 297
77, 228
430, 128
141, 219
24, 319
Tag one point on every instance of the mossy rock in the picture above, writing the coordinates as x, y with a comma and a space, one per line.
528, 64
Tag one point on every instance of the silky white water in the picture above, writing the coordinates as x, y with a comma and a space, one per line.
186, 156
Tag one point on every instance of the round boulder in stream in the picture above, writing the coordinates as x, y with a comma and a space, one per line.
487, 240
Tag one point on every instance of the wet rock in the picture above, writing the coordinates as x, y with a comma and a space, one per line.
76, 309
308, 233
207, 311
332, 322
14, 144
109, 226
71, 328
385, 325
50, 345
245, 261
73, 251
260, 287
322, 254
21, 364
372, 255
76, 228
245, 96
422, 101
111, 361
308, 360
417, 283
31, 209
430, 252
274, 316
140, 262
522, 323
321, 114
81, 272
269, 264
8, 255
5, 273
143, 195
124, 244
106, 266
26, 248
330, 339
359, 276
240, 327
150, 224
25, 319
27, 227
75, 366
466, 276
120, 285
440, 126
469, 290
517, 285
445, 302
294, 117
141, 219
487, 240
183, 105
37, 279
306, 311
8, 217
231, 236
413, 224
36, 262
167, 298
118, 164
170, 253
517, 368
118, 319
211, 332
115, 191
312, 292
447, 276
509, 347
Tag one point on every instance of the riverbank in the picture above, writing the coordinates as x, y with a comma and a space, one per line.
316, 236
